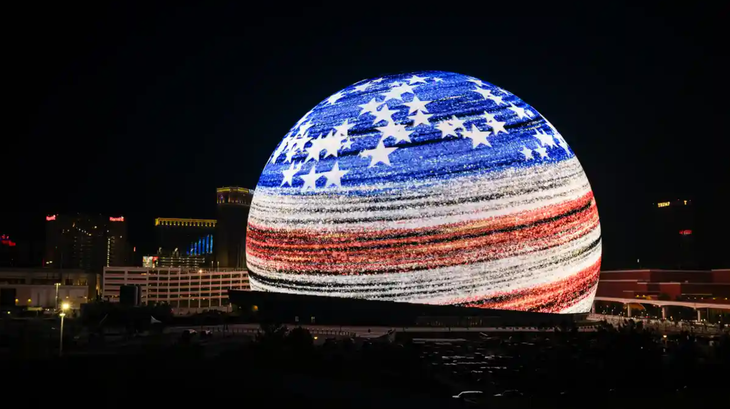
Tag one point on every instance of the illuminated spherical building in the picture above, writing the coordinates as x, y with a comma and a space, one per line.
429, 187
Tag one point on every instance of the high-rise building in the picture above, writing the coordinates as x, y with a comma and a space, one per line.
184, 242
230, 234
87, 242
671, 237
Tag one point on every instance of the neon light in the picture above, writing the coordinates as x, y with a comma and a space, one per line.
429, 188
663, 204
50, 218
685, 232
116, 219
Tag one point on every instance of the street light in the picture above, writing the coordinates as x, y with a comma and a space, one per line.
65, 306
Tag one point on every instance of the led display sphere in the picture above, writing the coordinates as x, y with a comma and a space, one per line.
429, 187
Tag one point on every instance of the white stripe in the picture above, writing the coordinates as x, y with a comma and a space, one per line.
272, 209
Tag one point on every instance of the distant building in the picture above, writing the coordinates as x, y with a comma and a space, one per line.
670, 238
36, 287
674, 285
86, 242
183, 289
233, 205
183, 242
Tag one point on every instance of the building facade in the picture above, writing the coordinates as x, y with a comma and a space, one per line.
38, 287
184, 242
674, 285
233, 205
182, 288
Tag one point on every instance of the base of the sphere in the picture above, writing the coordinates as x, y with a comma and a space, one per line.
260, 306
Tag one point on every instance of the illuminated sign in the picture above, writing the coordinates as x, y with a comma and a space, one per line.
116, 219
428, 188
662, 204
5, 241
50, 218
685, 232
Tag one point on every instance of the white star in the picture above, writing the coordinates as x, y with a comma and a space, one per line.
379, 154
521, 112
397, 131
437, 79
477, 136
342, 129
476, 81
290, 155
347, 144
370, 107
289, 174
416, 105
331, 100
447, 128
334, 176
397, 91
315, 149
385, 114
527, 152
393, 93
416, 79
487, 94
543, 152
310, 179
559, 137
405, 89
420, 118
362, 87
458, 123
304, 128
377, 81
496, 99
545, 139
300, 143
331, 144
497, 126
282, 147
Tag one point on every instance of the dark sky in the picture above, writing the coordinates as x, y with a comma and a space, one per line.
143, 110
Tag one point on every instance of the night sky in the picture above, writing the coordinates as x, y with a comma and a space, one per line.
143, 111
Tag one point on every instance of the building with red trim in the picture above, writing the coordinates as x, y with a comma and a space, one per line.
682, 285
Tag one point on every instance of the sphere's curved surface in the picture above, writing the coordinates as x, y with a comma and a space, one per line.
429, 187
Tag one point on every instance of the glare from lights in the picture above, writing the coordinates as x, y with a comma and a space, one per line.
65, 306
433, 188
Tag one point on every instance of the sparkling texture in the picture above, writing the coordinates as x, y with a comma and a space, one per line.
428, 187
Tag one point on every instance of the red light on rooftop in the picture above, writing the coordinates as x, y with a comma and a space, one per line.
50, 218
685, 232
116, 219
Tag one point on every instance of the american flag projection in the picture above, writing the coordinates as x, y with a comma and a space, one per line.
429, 187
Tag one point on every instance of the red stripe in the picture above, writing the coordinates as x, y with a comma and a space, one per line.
553, 297
355, 252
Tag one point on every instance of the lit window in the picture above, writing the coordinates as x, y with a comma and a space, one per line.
662, 204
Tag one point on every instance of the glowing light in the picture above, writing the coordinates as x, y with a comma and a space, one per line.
686, 232
116, 219
446, 190
50, 218
662, 204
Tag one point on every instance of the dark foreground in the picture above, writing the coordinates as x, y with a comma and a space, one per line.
613, 368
